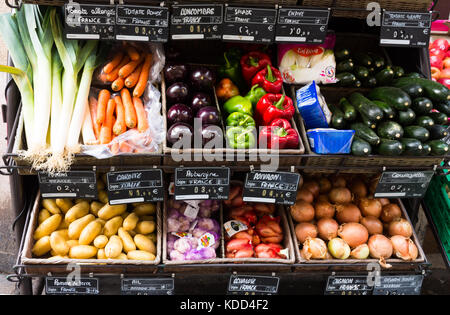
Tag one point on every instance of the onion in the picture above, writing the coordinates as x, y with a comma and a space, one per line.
404, 248
383, 201
358, 188
323, 198
373, 225
313, 187
324, 210
305, 230
314, 248
354, 234
380, 246
348, 213
339, 248
370, 207
360, 252
325, 185
401, 227
305, 195
327, 228
340, 195
339, 181
390, 212
302, 211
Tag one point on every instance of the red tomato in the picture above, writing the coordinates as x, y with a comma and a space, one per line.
435, 73
441, 43
446, 62
445, 82
434, 51
435, 61
445, 74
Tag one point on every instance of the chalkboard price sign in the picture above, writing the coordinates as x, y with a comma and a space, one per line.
148, 286
197, 183
399, 285
351, 285
408, 184
65, 286
74, 184
252, 285
405, 29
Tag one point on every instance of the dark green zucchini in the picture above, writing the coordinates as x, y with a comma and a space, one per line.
438, 132
365, 133
363, 59
345, 66
438, 147
406, 117
349, 110
422, 105
417, 132
435, 91
360, 147
370, 82
414, 90
366, 107
426, 149
424, 121
398, 72
378, 61
389, 112
439, 118
413, 75
411, 146
369, 123
390, 147
390, 130
342, 54
357, 84
393, 96
385, 76
361, 72
443, 107
345, 78
337, 119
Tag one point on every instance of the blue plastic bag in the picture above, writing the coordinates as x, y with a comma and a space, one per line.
330, 141
312, 107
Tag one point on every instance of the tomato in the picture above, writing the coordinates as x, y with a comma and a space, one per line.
441, 44
436, 62
445, 74
445, 82
434, 51
435, 73
446, 62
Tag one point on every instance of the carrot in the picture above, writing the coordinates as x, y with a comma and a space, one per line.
103, 77
119, 127
93, 105
142, 122
103, 98
130, 112
132, 53
105, 131
113, 75
132, 79
128, 69
109, 67
118, 84
143, 77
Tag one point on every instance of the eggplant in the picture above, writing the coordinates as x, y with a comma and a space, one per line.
208, 115
200, 100
210, 132
177, 93
180, 131
180, 113
202, 79
175, 73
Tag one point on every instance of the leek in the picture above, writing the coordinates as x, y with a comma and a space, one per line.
87, 129
56, 95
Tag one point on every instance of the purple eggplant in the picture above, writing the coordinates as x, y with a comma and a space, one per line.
177, 93
175, 73
208, 115
210, 132
202, 79
200, 100
180, 113
180, 131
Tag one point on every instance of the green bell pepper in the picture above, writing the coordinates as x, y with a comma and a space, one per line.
241, 138
240, 119
255, 94
231, 69
238, 104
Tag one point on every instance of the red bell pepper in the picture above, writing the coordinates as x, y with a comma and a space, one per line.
269, 79
279, 135
273, 106
252, 63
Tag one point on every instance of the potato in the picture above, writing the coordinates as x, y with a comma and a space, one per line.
100, 241
51, 206
103, 196
107, 211
102, 222
144, 243
82, 252
124, 215
114, 247
112, 226
77, 211
64, 233
132, 233
145, 209
64, 204
127, 240
59, 244
95, 207
63, 225
42, 246
122, 256
145, 227
48, 226
152, 236
43, 215
140, 255
78, 225
130, 222
101, 254
147, 218
72, 243
90, 232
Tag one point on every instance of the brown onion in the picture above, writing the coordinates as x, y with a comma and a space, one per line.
373, 225
404, 248
324, 209
305, 195
360, 252
304, 230
323, 198
302, 211
358, 188
314, 248
338, 248
383, 201
401, 227
327, 228
390, 212
339, 181
370, 207
347, 213
340, 195
380, 246
325, 185
354, 234
313, 187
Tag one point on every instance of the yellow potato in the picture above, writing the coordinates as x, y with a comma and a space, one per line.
140, 255
102, 222
101, 254
42, 246
78, 225
95, 207
72, 243
114, 247
100, 241
152, 237
77, 211
127, 240
122, 256
130, 222
63, 225
53, 253
124, 215
103, 196
147, 218
58, 244
64, 204
144, 243
82, 252
51, 206
48, 226
43, 215
107, 211
100, 185
90, 232
112, 226
145, 227
132, 233
145, 209
64, 233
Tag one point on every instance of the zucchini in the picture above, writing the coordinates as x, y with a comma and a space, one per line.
411, 146
370, 82
337, 120
345, 78
390, 130
361, 72
406, 117
426, 149
424, 121
342, 54
389, 112
366, 107
349, 110
417, 132
345, 66
363, 59
413, 75
437, 132
357, 84
360, 147
439, 118
398, 72
414, 90
378, 61
385, 76
365, 133
369, 123
422, 105
434, 90
393, 96
444, 107
390, 147
438, 147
